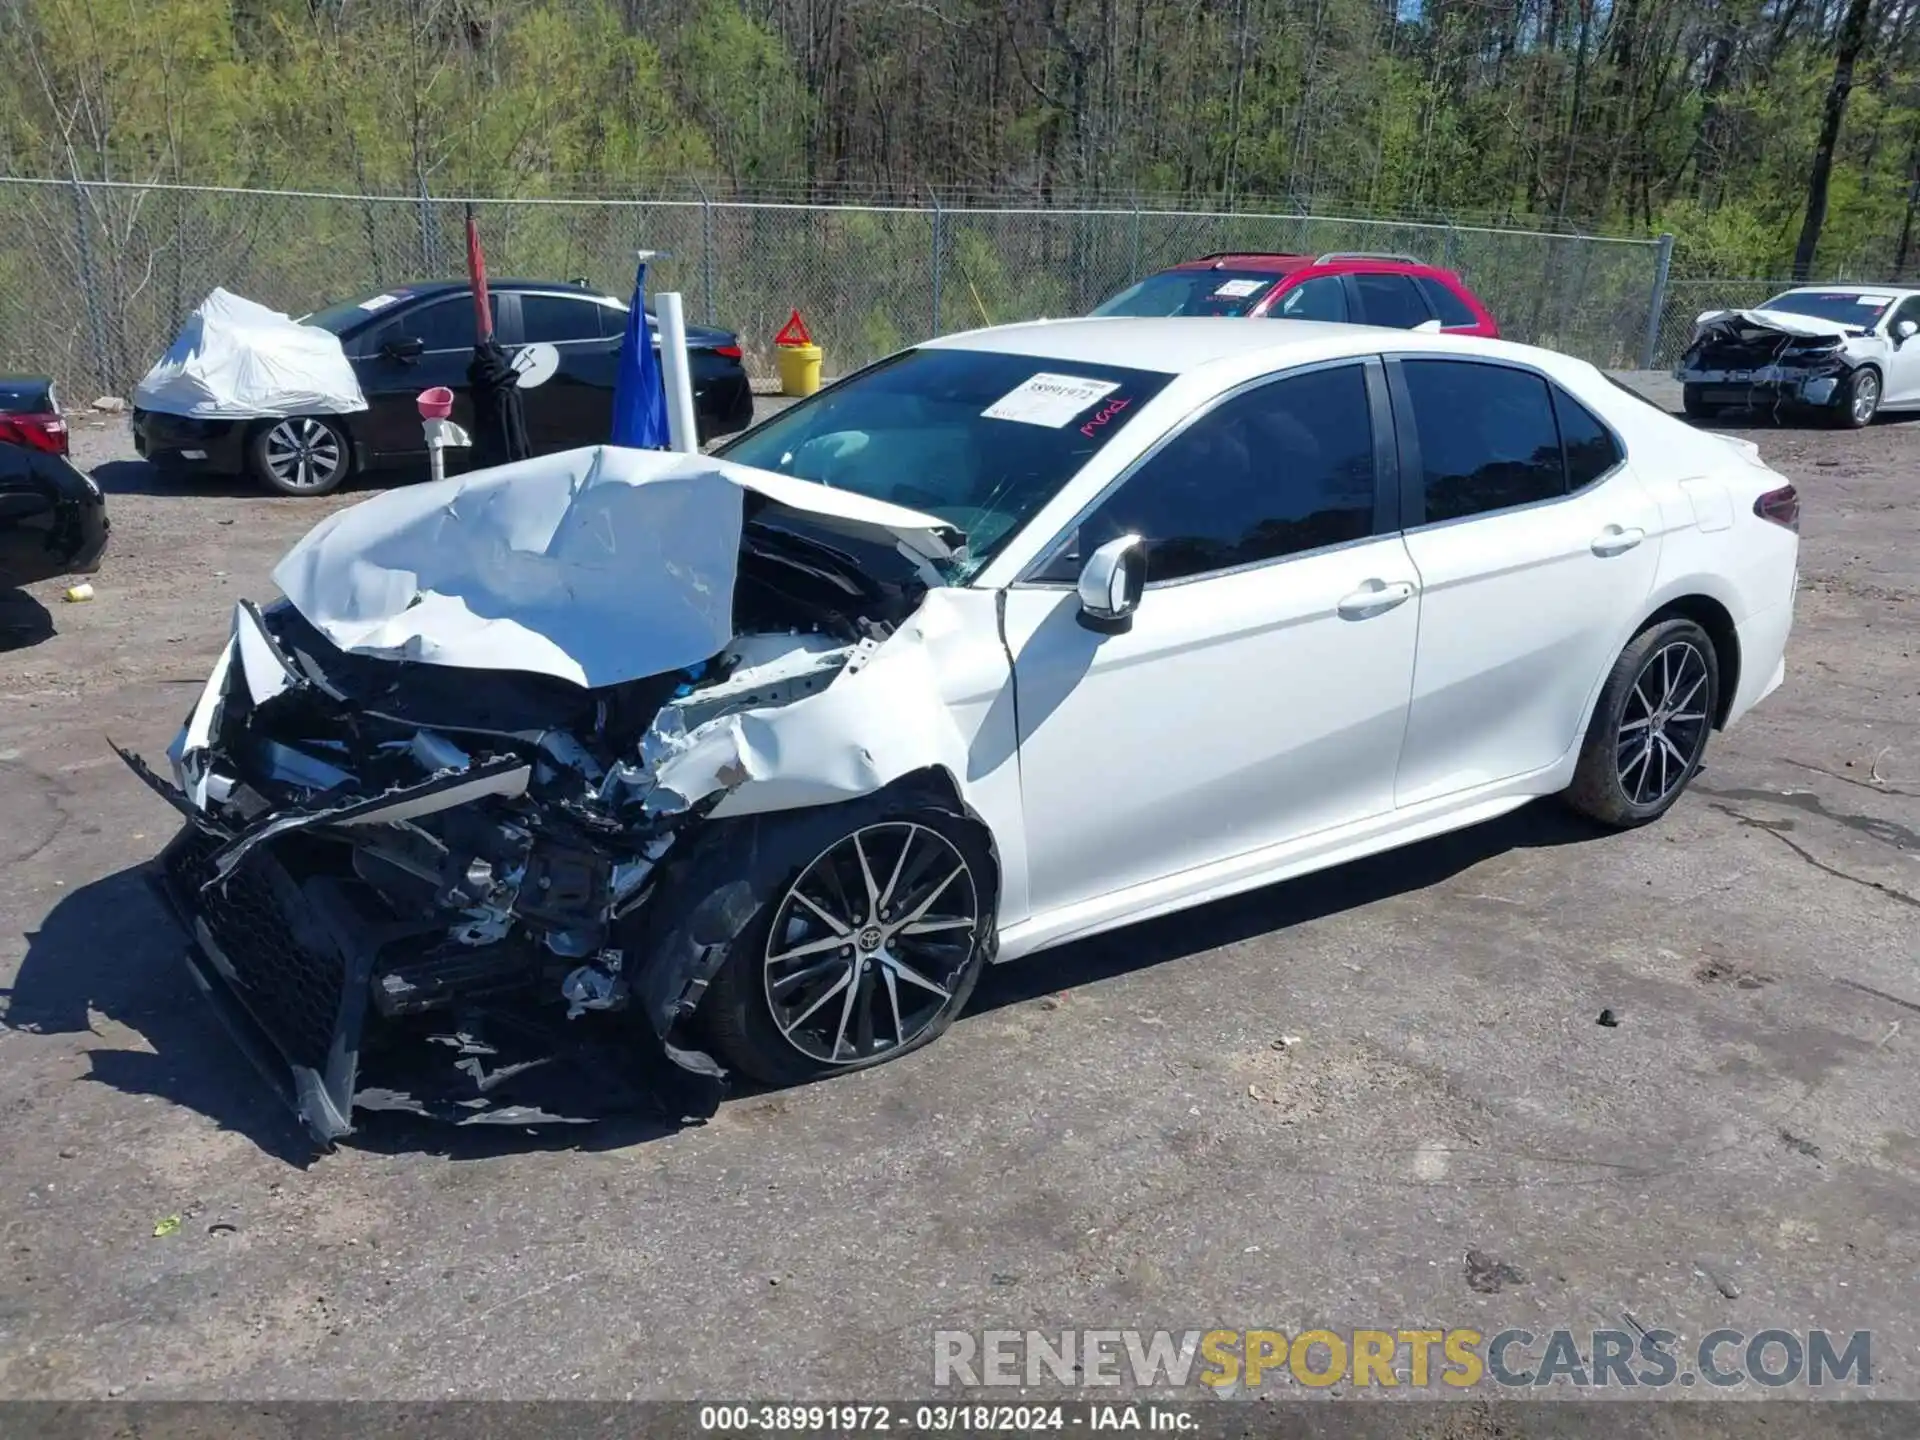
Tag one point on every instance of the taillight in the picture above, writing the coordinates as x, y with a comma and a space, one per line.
732, 352
36, 432
1781, 506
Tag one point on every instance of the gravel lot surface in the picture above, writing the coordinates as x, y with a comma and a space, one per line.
1112, 1136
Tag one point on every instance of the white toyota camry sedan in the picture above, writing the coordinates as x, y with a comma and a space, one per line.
1012, 638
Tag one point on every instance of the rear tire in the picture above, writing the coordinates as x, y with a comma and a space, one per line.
300, 455
1693, 401
1649, 729
837, 971
1857, 400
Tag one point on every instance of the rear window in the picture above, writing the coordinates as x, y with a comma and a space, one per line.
26, 397
1192, 292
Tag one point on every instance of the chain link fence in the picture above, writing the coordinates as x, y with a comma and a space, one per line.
96, 277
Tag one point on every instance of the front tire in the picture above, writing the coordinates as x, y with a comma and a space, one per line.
1858, 400
1649, 730
300, 455
866, 951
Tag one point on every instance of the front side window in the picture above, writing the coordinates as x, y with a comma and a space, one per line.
1273, 471
979, 439
1322, 298
441, 325
1487, 437
1391, 300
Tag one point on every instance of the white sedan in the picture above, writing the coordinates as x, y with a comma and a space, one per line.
1010, 639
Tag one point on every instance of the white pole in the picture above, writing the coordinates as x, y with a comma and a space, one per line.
683, 433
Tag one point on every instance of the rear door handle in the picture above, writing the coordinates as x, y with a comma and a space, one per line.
1617, 541
1375, 597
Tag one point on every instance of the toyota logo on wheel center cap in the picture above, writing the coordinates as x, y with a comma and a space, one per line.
870, 938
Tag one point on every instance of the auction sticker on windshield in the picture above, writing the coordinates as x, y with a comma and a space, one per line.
1239, 289
1049, 400
379, 302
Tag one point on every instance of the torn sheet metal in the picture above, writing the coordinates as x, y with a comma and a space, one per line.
235, 360
596, 566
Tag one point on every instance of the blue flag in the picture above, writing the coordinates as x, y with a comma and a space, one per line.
639, 393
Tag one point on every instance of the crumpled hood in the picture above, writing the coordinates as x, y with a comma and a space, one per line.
1783, 321
598, 565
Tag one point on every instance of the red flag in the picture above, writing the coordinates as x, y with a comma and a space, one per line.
477, 276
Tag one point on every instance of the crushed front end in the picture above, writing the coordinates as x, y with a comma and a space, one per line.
385, 860
1744, 360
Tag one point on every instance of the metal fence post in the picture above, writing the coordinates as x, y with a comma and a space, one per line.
706, 253
1133, 259
1657, 302
90, 288
939, 259
427, 246
1450, 249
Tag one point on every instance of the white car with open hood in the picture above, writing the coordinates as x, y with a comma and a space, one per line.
1845, 352
1010, 639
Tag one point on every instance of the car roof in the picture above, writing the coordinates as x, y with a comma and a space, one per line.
425, 289
1179, 345
1267, 262
1847, 287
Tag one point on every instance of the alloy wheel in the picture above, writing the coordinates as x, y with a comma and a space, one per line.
1866, 397
1663, 727
303, 454
869, 943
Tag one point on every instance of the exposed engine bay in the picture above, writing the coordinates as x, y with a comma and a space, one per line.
375, 840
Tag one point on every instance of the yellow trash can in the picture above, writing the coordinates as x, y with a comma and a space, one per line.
799, 369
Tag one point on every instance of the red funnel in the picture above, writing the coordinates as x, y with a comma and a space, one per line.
436, 404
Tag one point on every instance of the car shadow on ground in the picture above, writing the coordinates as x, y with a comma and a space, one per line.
1278, 907
108, 956
142, 477
24, 621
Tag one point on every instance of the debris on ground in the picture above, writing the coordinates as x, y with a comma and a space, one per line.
167, 1226
76, 594
1487, 1275
1609, 1019
109, 404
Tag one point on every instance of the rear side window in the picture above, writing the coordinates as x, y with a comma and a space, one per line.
1279, 469
557, 319
1451, 309
1591, 449
1391, 300
1488, 440
1322, 298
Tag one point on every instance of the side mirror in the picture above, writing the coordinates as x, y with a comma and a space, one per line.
1111, 583
406, 351
1904, 330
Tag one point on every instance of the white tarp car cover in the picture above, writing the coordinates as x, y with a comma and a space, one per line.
235, 360
597, 565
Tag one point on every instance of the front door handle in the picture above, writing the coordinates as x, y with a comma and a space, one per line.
1376, 597
1615, 540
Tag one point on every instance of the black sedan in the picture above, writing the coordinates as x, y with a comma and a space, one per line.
412, 337
53, 518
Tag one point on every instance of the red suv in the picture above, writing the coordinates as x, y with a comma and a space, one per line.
1396, 291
